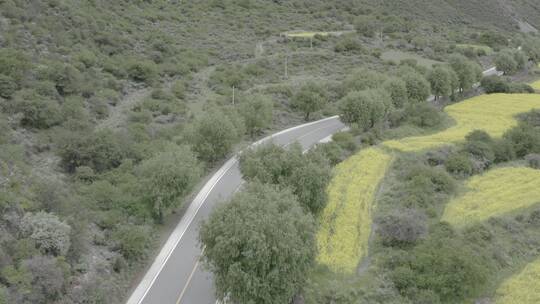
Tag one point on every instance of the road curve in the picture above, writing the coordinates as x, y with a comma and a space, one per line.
175, 276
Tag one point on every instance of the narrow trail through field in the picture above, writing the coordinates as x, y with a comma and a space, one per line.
346, 222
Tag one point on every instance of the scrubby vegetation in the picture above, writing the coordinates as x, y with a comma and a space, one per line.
113, 111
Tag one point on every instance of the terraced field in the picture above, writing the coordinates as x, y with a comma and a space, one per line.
522, 288
497, 192
346, 221
492, 113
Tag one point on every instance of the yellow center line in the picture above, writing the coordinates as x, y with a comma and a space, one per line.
190, 277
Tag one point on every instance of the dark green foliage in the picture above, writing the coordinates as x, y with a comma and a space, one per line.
418, 88
307, 175
142, 70
494, 84
37, 111
257, 112
100, 150
440, 81
365, 109
402, 227
505, 62
167, 177
468, 72
259, 246
397, 90
214, 136
363, 79
459, 164
525, 139
447, 267
310, 98
348, 45
132, 241
423, 115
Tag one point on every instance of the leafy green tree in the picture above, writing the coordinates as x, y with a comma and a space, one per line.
365, 109
440, 81
14, 64
494, 84
142, 70
418, 88
505, 62
363, 79
307, 175
310, 98
257, 113
214, 135
167, 177
525, 139
259, 246
466, 70
397, 89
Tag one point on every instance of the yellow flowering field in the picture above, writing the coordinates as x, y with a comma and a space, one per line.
521, 288
346, 221
496, 192
305, 34
493, 113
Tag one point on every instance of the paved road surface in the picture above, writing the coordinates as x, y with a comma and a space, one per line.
176, 276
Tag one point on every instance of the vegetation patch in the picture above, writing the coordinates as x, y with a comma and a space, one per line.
536, 85
494, 114
497, 192
523, 287
346, 221
483, 48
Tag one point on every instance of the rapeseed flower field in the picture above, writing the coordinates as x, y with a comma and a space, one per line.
346, 221
522, 288
496, 192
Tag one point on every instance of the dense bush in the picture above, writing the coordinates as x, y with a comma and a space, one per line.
167, 177
533, 160
48, 231
525, 139
365, 109
310, 98
268, 224
257, 112
307, 175
459, 164
423, 114
402, 227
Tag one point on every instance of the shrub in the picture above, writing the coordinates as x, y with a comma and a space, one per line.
214, 136
459, 164
397, 90
505, 62
423, 115
48, 231
37, 111
348, 44
402, 227
533, 160
311, 98
418, 88
365, 109
8, 86
168, 176
525, 139
494, 84
142, 70
518, 88
132, 241
436, 266
257, 112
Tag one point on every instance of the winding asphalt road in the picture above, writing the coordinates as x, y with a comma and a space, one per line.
176, 276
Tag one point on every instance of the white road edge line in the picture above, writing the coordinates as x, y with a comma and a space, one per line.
174, 239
